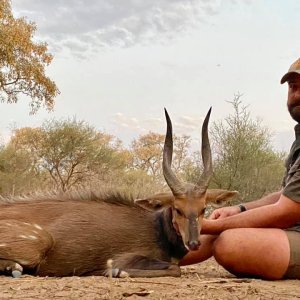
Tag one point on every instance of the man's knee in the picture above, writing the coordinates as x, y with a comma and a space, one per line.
225, 247
245, 251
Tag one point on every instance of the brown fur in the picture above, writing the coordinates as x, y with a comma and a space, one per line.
77, 234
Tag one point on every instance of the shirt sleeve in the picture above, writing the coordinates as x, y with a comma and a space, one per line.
292, 182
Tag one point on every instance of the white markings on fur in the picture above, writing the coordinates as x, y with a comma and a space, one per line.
28, 237
38, 226
3, 245
18, 267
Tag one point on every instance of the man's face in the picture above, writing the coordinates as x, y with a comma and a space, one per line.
293, 102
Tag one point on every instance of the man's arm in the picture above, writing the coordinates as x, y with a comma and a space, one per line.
269, 199
283, 213
227, 211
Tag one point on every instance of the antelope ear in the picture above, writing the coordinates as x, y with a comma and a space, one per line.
156, 202
218, 197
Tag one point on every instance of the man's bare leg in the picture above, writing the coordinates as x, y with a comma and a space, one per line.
260, 252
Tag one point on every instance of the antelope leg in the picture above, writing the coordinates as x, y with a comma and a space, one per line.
10, 267
172, 271
22, 245
135, 265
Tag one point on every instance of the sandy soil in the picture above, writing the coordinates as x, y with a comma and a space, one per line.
203, 281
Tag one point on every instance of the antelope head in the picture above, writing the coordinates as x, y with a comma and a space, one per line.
187, 201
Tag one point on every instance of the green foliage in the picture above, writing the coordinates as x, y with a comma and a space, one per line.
17, 172
23, 62
193, 168
68, 154
135, 182
243, 156
70, 151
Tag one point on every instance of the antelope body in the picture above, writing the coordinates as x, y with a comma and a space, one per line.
65, 237
77, 237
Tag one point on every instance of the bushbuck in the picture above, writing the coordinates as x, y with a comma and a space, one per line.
77, 234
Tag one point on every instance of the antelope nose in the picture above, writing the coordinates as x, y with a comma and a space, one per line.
193, 245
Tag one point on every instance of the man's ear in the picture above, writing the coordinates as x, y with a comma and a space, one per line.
156, 202
217, 197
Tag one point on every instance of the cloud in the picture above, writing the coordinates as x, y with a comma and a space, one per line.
129, 127
183, 125
187, 124
138, 126
123, 121
89, 25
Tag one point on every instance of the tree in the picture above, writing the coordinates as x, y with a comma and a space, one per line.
18, 174
193, 167
244, 159
70, 151
23, 62
147, 153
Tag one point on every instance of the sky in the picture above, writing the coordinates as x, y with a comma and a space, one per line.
118, 63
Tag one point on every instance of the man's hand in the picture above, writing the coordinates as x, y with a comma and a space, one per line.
224, 212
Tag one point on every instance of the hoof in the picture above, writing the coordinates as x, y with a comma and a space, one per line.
16, 274
123, 274
116, 273
16, 270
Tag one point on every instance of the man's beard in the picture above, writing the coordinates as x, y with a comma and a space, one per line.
295, 112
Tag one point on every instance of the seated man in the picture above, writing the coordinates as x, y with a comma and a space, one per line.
261, 238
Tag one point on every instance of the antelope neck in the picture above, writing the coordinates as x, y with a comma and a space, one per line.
167, 236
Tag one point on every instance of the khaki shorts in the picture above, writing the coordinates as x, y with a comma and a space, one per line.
293, 270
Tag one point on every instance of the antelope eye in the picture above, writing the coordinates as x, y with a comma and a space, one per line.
203, 210
179, 213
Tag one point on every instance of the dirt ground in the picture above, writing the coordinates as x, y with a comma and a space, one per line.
203, 281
